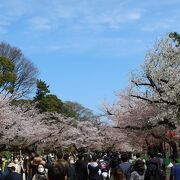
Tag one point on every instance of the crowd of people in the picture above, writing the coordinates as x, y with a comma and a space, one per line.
87, 166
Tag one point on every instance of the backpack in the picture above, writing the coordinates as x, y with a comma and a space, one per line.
154, 172
93, 172
161, 174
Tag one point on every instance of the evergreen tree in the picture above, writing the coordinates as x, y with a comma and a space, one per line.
47, 102
42, 90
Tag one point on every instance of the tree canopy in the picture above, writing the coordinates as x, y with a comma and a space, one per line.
45, 101
24, 70
7, 75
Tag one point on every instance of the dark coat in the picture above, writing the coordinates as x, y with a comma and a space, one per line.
81, 170
154, 171
13, 176
71, 172
94, 171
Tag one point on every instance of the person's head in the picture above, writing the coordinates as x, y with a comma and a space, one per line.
139, 167
94, 158
152, 154
56, 172
59, 154
41, 168
152, 151
118, 174
175, 160
37, 160
138, 155
124, 157
71, 160
80, 156
66, 157
15, 159
86, 158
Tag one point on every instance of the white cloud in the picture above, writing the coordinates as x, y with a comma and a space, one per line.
48, 15
5, 22
11, 11
85, 15
134, 16
40, 23
112, 20
84, 26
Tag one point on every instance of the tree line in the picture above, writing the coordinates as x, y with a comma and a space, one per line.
143, 114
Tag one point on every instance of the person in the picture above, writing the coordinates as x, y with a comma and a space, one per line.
4, 164
138, 171
93, 169
26, 165
1, 174
62, 163
125, 165
16, 164
114, 163
81, 168
138, 156
175, 171
12, 174
66, 157
57, 172
118, 174
49, 158
104, 165
33, 164
71, 168
161, 161
41, 173
21, 163
154, 171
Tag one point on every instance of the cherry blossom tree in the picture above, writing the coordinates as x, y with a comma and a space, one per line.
158, 82
23, 126
151, 105
131, 117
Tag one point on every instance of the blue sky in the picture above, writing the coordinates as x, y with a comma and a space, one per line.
85, 49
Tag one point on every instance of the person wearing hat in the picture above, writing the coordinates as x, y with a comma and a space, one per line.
12, 174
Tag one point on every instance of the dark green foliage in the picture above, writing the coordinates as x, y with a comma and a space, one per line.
7, 75
21, 102
42, 90
47, 102
68, 111
176, 37
50, 103
6, 154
